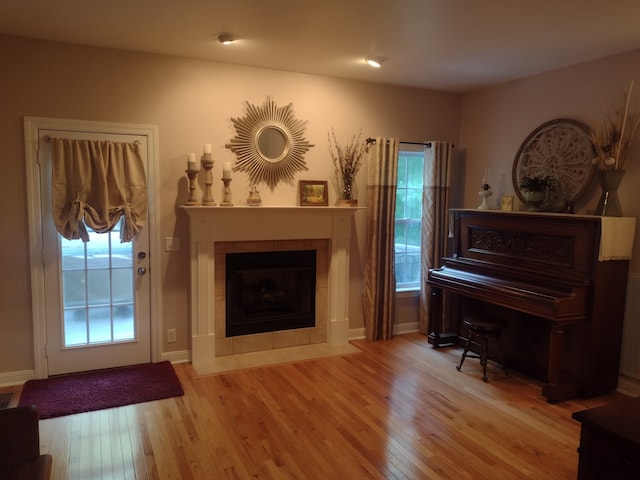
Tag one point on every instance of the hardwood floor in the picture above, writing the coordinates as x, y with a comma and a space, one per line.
397, 410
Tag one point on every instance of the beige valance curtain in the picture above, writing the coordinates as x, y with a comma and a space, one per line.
435, 218
379, 272
95, 183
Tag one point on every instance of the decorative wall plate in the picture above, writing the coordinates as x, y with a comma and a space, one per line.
269, 143
562, 150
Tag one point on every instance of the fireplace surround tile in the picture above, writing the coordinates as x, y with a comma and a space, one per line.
322, 268
224, 346
322, 297
318, 334
257, 246
220, 305
223, 247
291, 338
293, 245
253, 343
220, 282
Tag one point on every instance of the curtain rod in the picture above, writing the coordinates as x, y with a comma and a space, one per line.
426, 144
48, 138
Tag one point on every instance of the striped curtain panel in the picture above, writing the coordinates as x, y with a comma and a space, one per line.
379, 271
435, 218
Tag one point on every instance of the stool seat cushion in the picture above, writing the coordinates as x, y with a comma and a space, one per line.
484, 324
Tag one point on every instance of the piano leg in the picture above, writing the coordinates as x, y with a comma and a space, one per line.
435, 317
437, 337
554, 390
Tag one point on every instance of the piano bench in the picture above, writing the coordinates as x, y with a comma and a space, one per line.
481, 329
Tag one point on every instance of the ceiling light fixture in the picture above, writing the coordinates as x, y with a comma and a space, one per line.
227, 38
376, 62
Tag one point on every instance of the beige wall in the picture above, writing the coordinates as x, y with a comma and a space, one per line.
191, 102
496, 121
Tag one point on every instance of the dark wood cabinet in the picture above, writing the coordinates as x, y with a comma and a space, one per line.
610, 441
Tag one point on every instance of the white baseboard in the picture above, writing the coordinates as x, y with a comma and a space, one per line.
180, 356
356, 333
9, 379
409, 327
399, 329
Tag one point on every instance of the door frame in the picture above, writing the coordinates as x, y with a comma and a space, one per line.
32, 126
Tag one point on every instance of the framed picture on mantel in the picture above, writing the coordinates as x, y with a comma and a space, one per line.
313, 193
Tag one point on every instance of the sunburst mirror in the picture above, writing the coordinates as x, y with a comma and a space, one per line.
269, 143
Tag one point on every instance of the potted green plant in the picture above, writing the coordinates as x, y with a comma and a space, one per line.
534, 190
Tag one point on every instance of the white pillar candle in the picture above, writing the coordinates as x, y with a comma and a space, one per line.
226, 170
207, 148
191, 161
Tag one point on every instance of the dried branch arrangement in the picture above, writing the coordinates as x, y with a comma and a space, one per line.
346, 161
618, 131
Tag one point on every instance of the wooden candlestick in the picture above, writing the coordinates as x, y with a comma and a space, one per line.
207, 164
193, 175
226, 193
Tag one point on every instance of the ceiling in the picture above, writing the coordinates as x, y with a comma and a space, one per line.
447, 45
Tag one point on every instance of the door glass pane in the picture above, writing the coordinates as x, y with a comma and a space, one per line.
99, 325
75, 326
98, 289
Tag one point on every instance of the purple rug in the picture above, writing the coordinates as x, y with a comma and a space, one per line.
85, 392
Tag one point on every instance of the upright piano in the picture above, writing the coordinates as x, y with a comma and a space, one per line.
558, 279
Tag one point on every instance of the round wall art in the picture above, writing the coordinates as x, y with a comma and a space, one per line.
562, 150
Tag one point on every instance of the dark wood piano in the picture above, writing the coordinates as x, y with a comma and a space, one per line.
558, 279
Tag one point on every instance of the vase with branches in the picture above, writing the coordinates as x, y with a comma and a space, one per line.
611, 143
347, 161
613, 139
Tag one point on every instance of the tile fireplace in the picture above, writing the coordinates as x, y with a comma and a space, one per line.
216, 231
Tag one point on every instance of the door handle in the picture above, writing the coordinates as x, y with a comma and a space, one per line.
142, 271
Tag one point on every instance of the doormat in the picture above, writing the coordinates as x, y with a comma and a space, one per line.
88, 391
5, 400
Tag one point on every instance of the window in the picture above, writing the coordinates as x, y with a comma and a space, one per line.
408, 220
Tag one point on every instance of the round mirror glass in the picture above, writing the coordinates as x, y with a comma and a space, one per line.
272, 143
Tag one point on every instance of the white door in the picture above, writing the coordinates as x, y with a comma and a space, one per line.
97, 296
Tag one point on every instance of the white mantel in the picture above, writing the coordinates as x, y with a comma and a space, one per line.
208, 225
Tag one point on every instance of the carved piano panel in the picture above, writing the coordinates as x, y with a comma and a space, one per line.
550, 277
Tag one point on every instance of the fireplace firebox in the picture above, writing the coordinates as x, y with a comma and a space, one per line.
270, 291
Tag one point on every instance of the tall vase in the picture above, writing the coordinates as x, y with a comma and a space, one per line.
347, 199
609, 204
